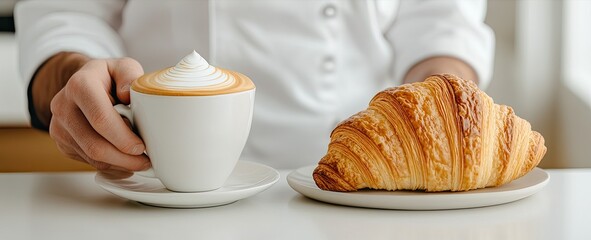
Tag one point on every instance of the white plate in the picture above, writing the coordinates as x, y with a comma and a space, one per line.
247, 179
301, 180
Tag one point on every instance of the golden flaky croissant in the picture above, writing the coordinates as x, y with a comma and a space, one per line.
443, 134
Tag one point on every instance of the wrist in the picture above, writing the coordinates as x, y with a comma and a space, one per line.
49, 79
439, 65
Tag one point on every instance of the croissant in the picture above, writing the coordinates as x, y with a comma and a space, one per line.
442, 134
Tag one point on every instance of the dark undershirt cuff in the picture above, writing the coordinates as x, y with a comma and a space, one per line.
35, 122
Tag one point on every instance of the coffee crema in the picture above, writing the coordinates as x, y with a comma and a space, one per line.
192, 76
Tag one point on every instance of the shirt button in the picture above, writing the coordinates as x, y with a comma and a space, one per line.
329, 11
329, 64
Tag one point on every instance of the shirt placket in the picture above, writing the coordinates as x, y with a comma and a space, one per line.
329, 65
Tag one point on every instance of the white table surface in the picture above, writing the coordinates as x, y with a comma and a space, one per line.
72, 206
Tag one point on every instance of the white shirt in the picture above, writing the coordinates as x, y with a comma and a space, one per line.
314, 63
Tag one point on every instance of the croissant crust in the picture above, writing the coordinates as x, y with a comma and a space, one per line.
442, 134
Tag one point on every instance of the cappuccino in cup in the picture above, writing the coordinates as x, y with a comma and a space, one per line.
194, 119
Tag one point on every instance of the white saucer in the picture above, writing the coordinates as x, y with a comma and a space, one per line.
301, 180
247, 179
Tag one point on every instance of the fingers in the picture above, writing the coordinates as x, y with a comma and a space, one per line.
99, 149
124, 71
89, 89
66, 144
79, 141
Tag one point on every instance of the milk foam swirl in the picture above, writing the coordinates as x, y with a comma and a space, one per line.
193, 71
192, 76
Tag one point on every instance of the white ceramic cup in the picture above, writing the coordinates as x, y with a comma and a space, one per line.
193, 142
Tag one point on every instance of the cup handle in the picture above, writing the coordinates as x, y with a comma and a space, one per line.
125, 111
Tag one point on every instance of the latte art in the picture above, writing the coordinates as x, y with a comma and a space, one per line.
191, 72
192, 76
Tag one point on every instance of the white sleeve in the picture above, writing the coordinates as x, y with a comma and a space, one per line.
455, 28
45, 28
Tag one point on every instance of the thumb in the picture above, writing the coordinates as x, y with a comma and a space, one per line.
124, 71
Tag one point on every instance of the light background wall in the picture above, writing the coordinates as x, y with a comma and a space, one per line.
531, 76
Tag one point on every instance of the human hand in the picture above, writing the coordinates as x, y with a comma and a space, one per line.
84, 124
